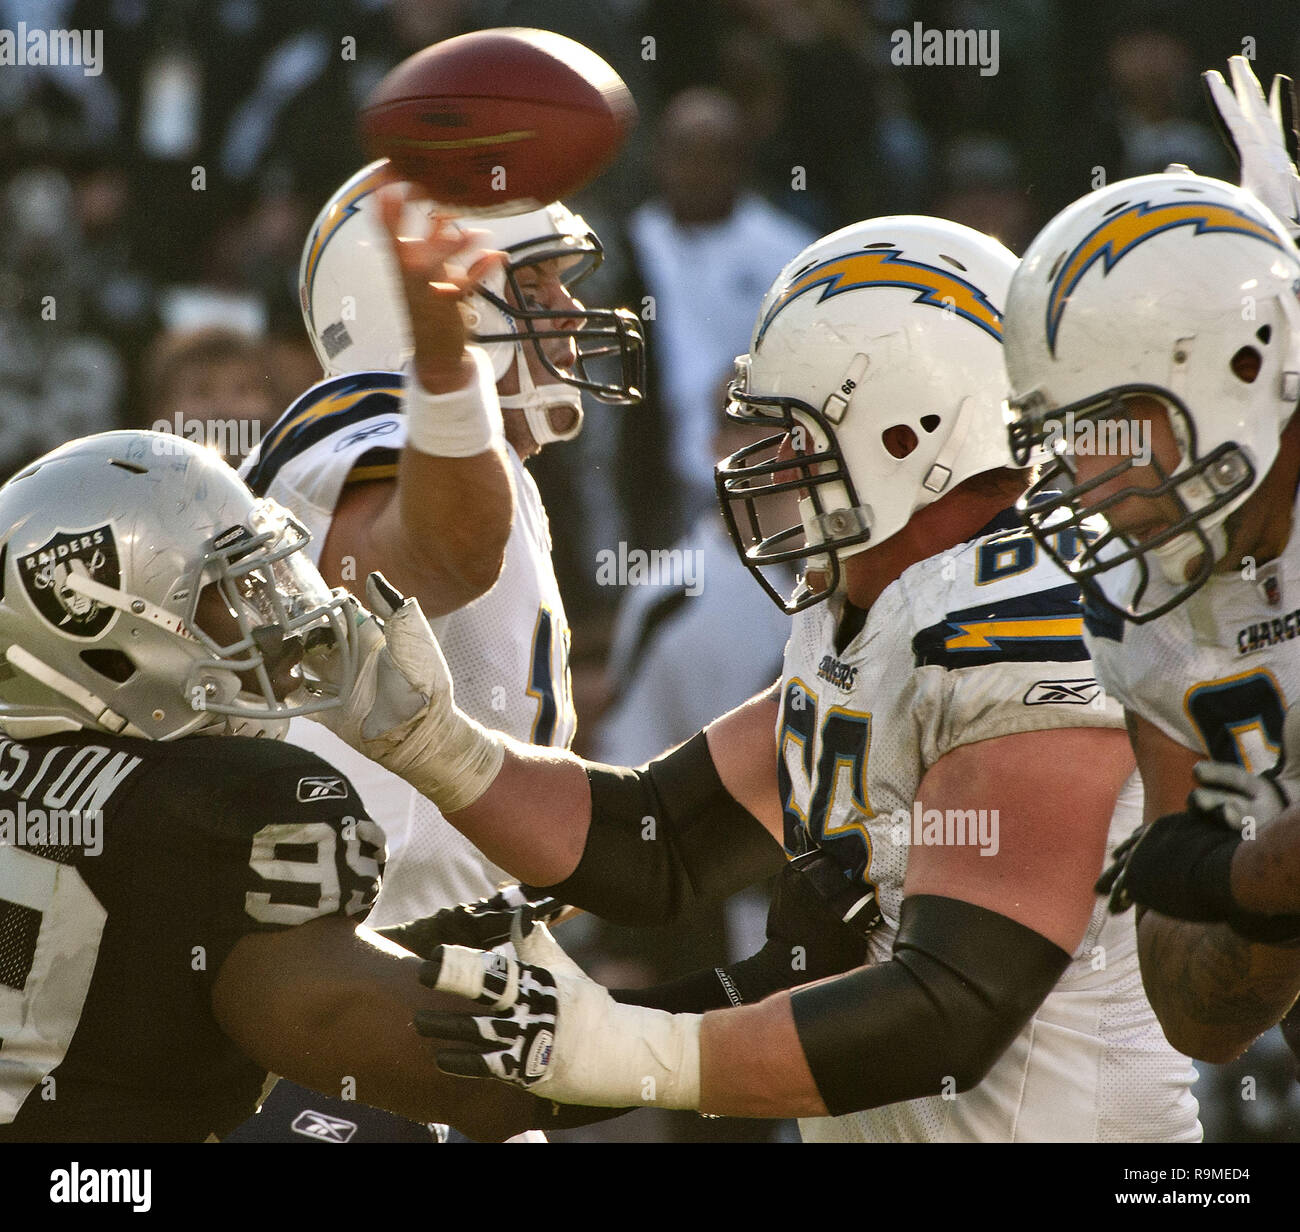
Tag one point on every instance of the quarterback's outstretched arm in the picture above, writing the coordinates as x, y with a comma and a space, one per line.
440, 531
1213, 990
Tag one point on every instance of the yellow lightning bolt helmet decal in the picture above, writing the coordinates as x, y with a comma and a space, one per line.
887, 267
1123, 232
340, 211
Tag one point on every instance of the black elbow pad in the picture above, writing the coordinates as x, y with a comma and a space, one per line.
961, 985
664, 839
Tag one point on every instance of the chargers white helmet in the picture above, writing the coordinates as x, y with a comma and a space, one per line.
878, 352
1173, 286
145, 591
357, 321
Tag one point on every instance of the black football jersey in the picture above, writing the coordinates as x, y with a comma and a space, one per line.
128, 871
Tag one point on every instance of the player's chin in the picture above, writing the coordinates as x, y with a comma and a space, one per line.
563, 418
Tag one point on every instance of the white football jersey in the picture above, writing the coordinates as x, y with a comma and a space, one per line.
1218, 671
508, 651
982, 641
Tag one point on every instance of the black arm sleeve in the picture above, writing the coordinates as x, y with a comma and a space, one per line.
664, 839
961, 985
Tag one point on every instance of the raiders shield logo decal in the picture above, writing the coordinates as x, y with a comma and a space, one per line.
50, 576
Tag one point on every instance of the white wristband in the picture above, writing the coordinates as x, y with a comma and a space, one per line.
459, 424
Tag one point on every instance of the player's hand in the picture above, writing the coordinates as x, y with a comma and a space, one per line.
1234, 797
1181, 865
482, 924
555, 1032
1177, 865
401, 711
435, 285
1262, 136
401, 667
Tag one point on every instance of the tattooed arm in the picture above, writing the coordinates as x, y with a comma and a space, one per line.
1212, 990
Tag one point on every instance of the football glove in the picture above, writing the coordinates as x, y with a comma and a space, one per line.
557, 1033
1181, 865
482, 924
401, 711
1261, 135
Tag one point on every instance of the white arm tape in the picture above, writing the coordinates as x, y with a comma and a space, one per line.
612, 1055
459, 424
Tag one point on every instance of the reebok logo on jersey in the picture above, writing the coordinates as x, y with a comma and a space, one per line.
322, 1127
385, 427
1068, 692
321, 787
1269, 633
841, 675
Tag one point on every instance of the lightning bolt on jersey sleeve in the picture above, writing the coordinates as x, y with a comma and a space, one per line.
115, 931
344, 430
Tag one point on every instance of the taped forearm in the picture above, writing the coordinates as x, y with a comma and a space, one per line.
961, 985
664, 839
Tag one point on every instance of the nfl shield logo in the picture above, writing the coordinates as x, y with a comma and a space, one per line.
52, 575
1272, 589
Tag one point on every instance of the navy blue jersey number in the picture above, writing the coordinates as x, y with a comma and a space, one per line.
1240, 719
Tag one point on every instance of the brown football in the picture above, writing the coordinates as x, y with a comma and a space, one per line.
503, 120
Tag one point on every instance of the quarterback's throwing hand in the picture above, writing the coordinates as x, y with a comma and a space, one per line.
557, 1033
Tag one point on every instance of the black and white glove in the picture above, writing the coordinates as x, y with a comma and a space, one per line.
401, 711
1181, 864
481, 925
1261, 135
556, 1032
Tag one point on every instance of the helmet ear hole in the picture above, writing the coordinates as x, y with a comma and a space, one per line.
111, 663
899, 440
1264, 333
930, 422
1245, 364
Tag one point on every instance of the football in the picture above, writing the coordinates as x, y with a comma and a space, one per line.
503, 120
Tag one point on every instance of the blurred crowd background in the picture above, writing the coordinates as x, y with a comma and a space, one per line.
155, 215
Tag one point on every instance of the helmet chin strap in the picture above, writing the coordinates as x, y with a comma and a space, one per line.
536, 402
1179, 552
